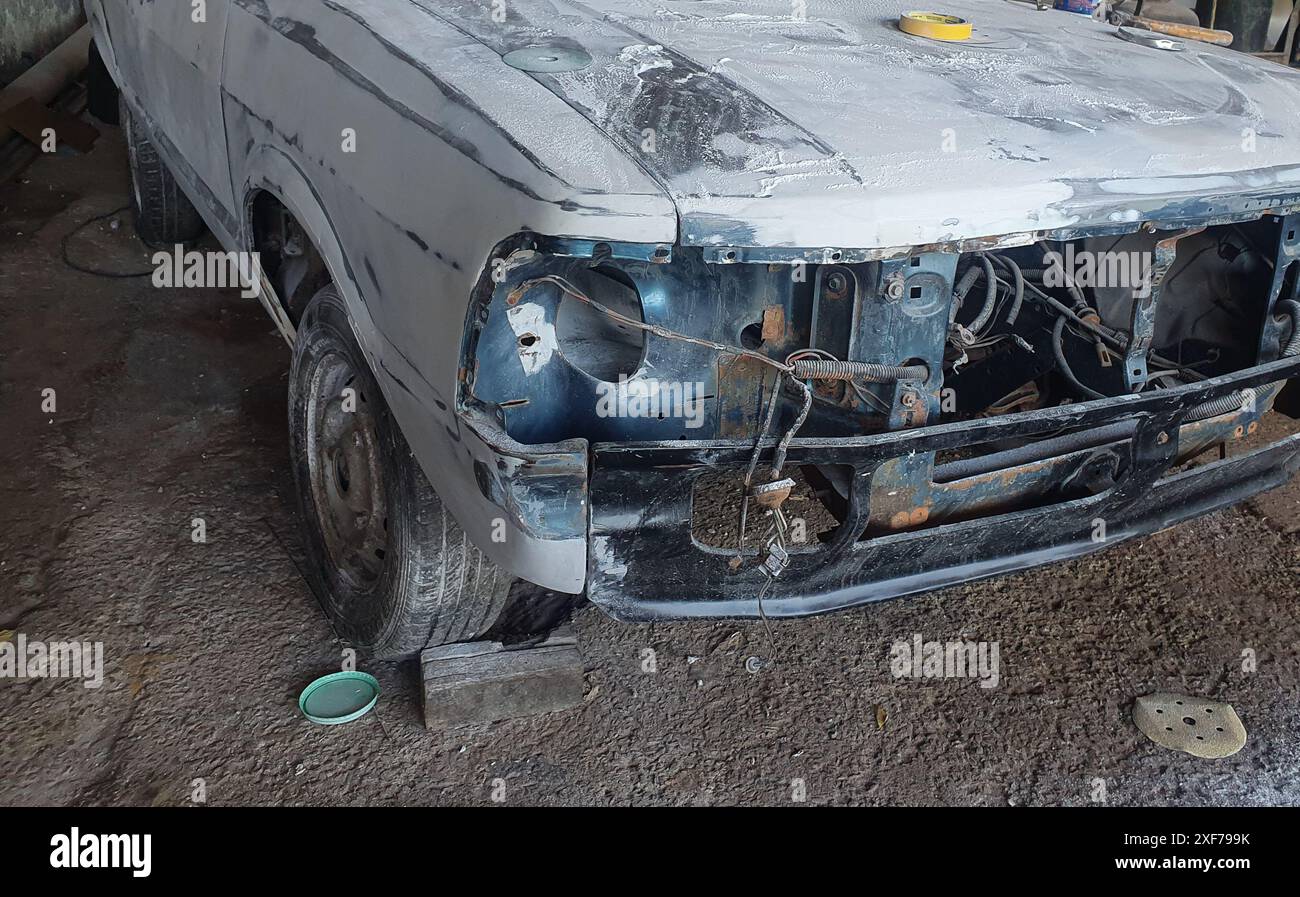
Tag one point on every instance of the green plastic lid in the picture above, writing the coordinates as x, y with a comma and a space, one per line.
339, 698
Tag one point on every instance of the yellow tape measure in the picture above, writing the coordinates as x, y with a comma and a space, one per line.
934, 25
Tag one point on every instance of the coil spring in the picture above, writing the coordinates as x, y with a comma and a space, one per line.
819, 369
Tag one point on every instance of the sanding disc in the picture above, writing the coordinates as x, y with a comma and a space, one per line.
1202, 728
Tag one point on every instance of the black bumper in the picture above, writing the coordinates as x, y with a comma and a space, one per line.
643, 563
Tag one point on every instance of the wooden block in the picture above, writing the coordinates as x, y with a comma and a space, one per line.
30, 119
482, 682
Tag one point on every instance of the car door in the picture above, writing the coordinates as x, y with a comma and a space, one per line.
169, 57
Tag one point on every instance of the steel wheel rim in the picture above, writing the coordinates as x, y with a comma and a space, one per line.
345, 470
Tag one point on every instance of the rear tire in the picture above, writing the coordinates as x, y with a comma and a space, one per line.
164, 215
391, 566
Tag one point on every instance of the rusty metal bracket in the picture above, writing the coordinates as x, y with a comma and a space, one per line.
1146, 299
903, 319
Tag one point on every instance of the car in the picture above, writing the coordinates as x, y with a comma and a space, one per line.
560, 277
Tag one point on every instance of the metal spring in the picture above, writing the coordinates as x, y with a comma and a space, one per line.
818, 369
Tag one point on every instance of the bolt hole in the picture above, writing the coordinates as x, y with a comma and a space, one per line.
528, 340
837, 284
1179, 703
1209, 709
1169, 728
1218, 728
1189, 721
729, 255
752, 336
916, 262
915, 292
1158, 710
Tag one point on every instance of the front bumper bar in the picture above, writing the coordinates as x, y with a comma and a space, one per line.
644, 564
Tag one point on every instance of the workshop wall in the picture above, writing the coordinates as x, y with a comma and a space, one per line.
31, 28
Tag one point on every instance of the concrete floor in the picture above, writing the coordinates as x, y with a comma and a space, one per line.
171, 406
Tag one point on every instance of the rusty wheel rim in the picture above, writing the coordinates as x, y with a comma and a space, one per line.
344, 465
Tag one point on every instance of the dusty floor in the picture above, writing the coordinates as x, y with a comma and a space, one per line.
170, 407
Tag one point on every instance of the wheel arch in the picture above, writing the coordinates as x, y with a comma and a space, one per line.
454, 457
273, 175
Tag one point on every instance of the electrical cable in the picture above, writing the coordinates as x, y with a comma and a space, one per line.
1019, 277
990, 296
1058, 339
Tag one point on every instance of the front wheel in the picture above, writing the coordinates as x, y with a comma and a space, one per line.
393, 569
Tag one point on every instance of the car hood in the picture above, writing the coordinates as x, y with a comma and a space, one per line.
838, 130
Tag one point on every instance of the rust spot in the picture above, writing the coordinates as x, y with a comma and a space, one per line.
773, 323
915, 411
1006, 477
143, 668
1171, 242
1010, 475
914, 517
